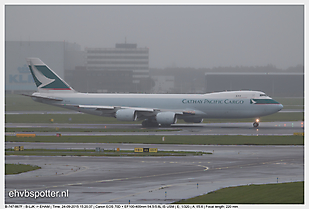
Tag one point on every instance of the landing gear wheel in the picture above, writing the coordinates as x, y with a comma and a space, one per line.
166, 125
255, 124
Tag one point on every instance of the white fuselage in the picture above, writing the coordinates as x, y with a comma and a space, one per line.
233, 104
154, 109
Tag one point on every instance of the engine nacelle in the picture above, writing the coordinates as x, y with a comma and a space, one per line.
166, 118
126, 115
193, 120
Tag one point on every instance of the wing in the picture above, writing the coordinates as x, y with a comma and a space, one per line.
142, 112
102, 108
111, 110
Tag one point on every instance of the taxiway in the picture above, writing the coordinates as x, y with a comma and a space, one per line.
145, 180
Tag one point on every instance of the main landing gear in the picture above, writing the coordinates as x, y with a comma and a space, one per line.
256, 123
149, 123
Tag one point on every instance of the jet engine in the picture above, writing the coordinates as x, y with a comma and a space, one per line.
126, 115
166, 118
193, 120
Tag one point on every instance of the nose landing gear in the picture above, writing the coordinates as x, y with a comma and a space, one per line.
256, 123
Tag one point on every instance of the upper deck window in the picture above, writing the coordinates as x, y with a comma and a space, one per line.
263, 95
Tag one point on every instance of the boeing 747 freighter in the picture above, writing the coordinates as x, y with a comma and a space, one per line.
152, 109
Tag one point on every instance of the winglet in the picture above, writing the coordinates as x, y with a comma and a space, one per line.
45, 78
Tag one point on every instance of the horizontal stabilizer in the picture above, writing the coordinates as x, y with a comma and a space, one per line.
44, 97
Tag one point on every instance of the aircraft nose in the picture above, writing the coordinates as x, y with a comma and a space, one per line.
280, 106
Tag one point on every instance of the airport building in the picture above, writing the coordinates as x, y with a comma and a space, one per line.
163, 84
58, 55
273, 84
124, 68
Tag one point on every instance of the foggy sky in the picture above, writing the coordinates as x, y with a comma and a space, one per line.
182, 36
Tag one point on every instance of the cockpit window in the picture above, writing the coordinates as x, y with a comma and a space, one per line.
263, 95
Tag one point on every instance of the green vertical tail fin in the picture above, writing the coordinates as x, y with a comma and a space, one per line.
45, 78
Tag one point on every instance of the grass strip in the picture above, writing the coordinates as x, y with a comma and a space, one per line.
19, 168
174, 139
283, 193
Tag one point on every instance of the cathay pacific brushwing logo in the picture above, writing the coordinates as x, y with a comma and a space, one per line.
42, 78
